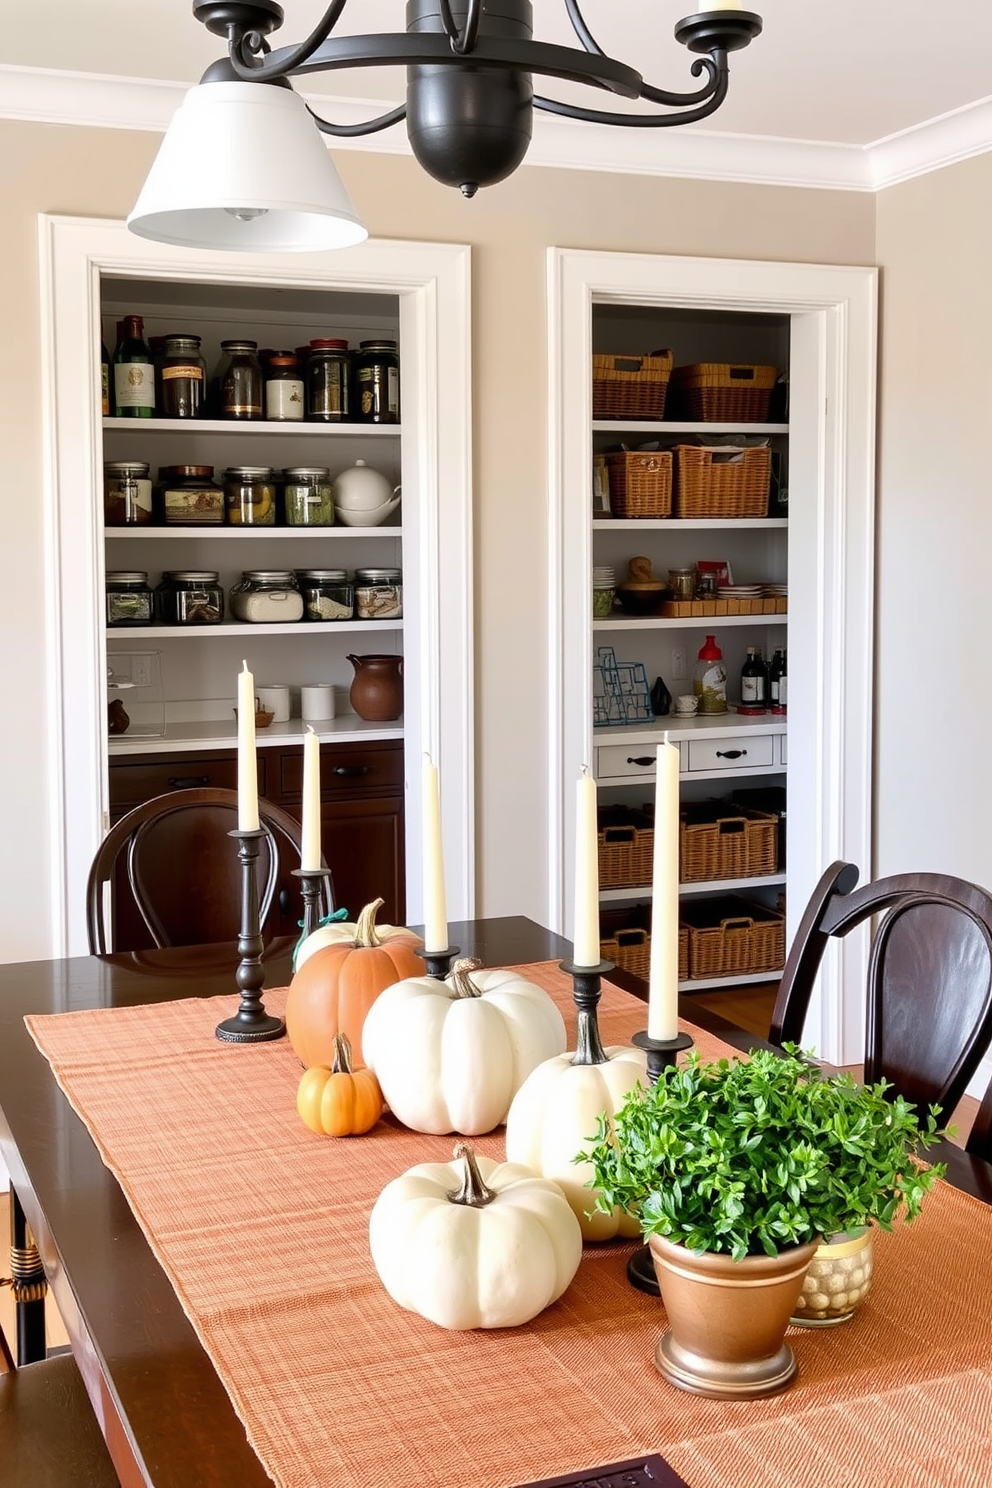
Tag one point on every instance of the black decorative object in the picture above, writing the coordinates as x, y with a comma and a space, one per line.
439, 962
586, 992
650, 1471
662, 1054
251, 1024
661, 698
312, 882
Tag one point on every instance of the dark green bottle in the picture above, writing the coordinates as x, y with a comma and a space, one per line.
134, 374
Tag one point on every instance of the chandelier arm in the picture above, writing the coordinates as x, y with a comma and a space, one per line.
245, 48
355, 131
582, 30
461, 41
640, 121
652, 94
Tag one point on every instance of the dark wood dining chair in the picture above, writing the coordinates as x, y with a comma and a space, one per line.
979, 1143
175, 876
928, 1017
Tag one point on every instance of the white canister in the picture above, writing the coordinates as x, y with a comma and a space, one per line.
316, 701
274, 698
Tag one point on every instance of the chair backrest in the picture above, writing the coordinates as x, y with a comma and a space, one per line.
929, 996
979, 1143
176, 879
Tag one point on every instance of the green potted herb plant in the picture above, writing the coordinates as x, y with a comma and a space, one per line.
736, 1170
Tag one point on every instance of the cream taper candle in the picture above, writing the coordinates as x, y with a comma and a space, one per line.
247, 762
310, 836
663, 982
435, 911
585, 948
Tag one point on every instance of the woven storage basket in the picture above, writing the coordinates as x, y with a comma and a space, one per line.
632, 387
640, 483
731, 937
631, 950
724, 392
625, 855
720, 840
722, 482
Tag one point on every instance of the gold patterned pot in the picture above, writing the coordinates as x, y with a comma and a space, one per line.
837, 1280
727, 1318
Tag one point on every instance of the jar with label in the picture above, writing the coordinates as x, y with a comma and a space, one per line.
308, 496
129, 597
377, 383
709, 678
329, 381
327, 593
182, 378
239, 378
682, 583
127, 494
267, 597
250, 496
189, 597
378, 593
284, 395
187, 496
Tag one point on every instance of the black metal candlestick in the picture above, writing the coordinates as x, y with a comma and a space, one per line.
662, 1054
251, 1024
439, 962
586, 992
312, 888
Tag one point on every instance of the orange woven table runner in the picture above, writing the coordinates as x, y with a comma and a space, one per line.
339, 1387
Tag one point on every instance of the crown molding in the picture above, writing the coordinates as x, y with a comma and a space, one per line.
44, 96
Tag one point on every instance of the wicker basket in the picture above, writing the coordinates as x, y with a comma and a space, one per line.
732, 937
722, 482
640, 483
630, 949
626, 848
632, 387
720, 840
724, 392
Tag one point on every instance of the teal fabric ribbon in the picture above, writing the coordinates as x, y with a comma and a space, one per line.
336, 917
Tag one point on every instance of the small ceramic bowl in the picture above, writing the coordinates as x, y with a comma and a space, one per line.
357, 517
640, 599
686, 705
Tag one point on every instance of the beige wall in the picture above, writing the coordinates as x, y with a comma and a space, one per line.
98, 173
933, 707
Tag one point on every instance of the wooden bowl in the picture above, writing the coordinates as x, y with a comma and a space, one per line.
262, 717
640, 599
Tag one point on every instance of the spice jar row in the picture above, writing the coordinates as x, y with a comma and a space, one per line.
325, 381
261, 596
188, 495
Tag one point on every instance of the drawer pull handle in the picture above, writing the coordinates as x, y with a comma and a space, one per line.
351, 770
641, 759
730, 753
188, 782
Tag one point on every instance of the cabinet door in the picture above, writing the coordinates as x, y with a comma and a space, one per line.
363, 845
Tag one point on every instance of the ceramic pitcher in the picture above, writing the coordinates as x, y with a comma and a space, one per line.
377, 687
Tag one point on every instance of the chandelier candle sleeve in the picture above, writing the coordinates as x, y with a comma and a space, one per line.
585, 949
310, 838
247, 763
435, 911
663, 971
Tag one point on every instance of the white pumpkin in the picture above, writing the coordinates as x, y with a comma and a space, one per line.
474, 1243
361, 932
555, 1114
450, 1055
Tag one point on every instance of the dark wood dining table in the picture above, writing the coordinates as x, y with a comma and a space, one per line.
166, 1416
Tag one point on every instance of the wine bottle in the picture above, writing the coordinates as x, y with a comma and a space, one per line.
778, 683
753, 680
134, 375
104, 380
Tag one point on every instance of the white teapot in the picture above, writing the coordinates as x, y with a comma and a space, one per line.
363, 497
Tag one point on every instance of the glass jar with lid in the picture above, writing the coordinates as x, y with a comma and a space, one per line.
284, 391
308, 496
378, 593
329, 381
188, 497
250, 496
127, 494
377, 383
189, 597
267, 597
129, 597
328, 593
239, 381
182, 378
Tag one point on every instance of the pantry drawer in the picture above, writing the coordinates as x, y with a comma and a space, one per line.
347, 770
734, 752
132, 783
627, 761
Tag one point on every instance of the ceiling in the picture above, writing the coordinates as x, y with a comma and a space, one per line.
829, 80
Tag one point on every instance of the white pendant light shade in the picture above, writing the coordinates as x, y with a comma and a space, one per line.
243, 167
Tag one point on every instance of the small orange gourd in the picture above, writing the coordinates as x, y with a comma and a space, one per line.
339, 1099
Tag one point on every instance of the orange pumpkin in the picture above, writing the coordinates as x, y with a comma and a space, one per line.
335, 987
340, 1100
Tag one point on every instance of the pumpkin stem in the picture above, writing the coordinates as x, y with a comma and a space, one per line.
341, 1064
473, 1190
460, 982
365, 931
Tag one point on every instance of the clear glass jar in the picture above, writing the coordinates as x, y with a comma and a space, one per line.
284, 390
189, 597
239, 380
129, 597
267, 597
378, 593
328, 381
250, 496
127, 494
328, 593
682, 583
308, 496
187, 496
182, 378
377, 383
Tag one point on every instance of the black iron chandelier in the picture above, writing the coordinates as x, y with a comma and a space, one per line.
242, 165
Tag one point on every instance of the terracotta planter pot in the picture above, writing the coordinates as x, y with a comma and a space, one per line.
727, 1319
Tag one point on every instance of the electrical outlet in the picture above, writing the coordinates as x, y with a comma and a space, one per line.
678, 663
140, 674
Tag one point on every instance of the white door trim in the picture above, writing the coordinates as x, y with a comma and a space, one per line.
432, 281
831, 556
